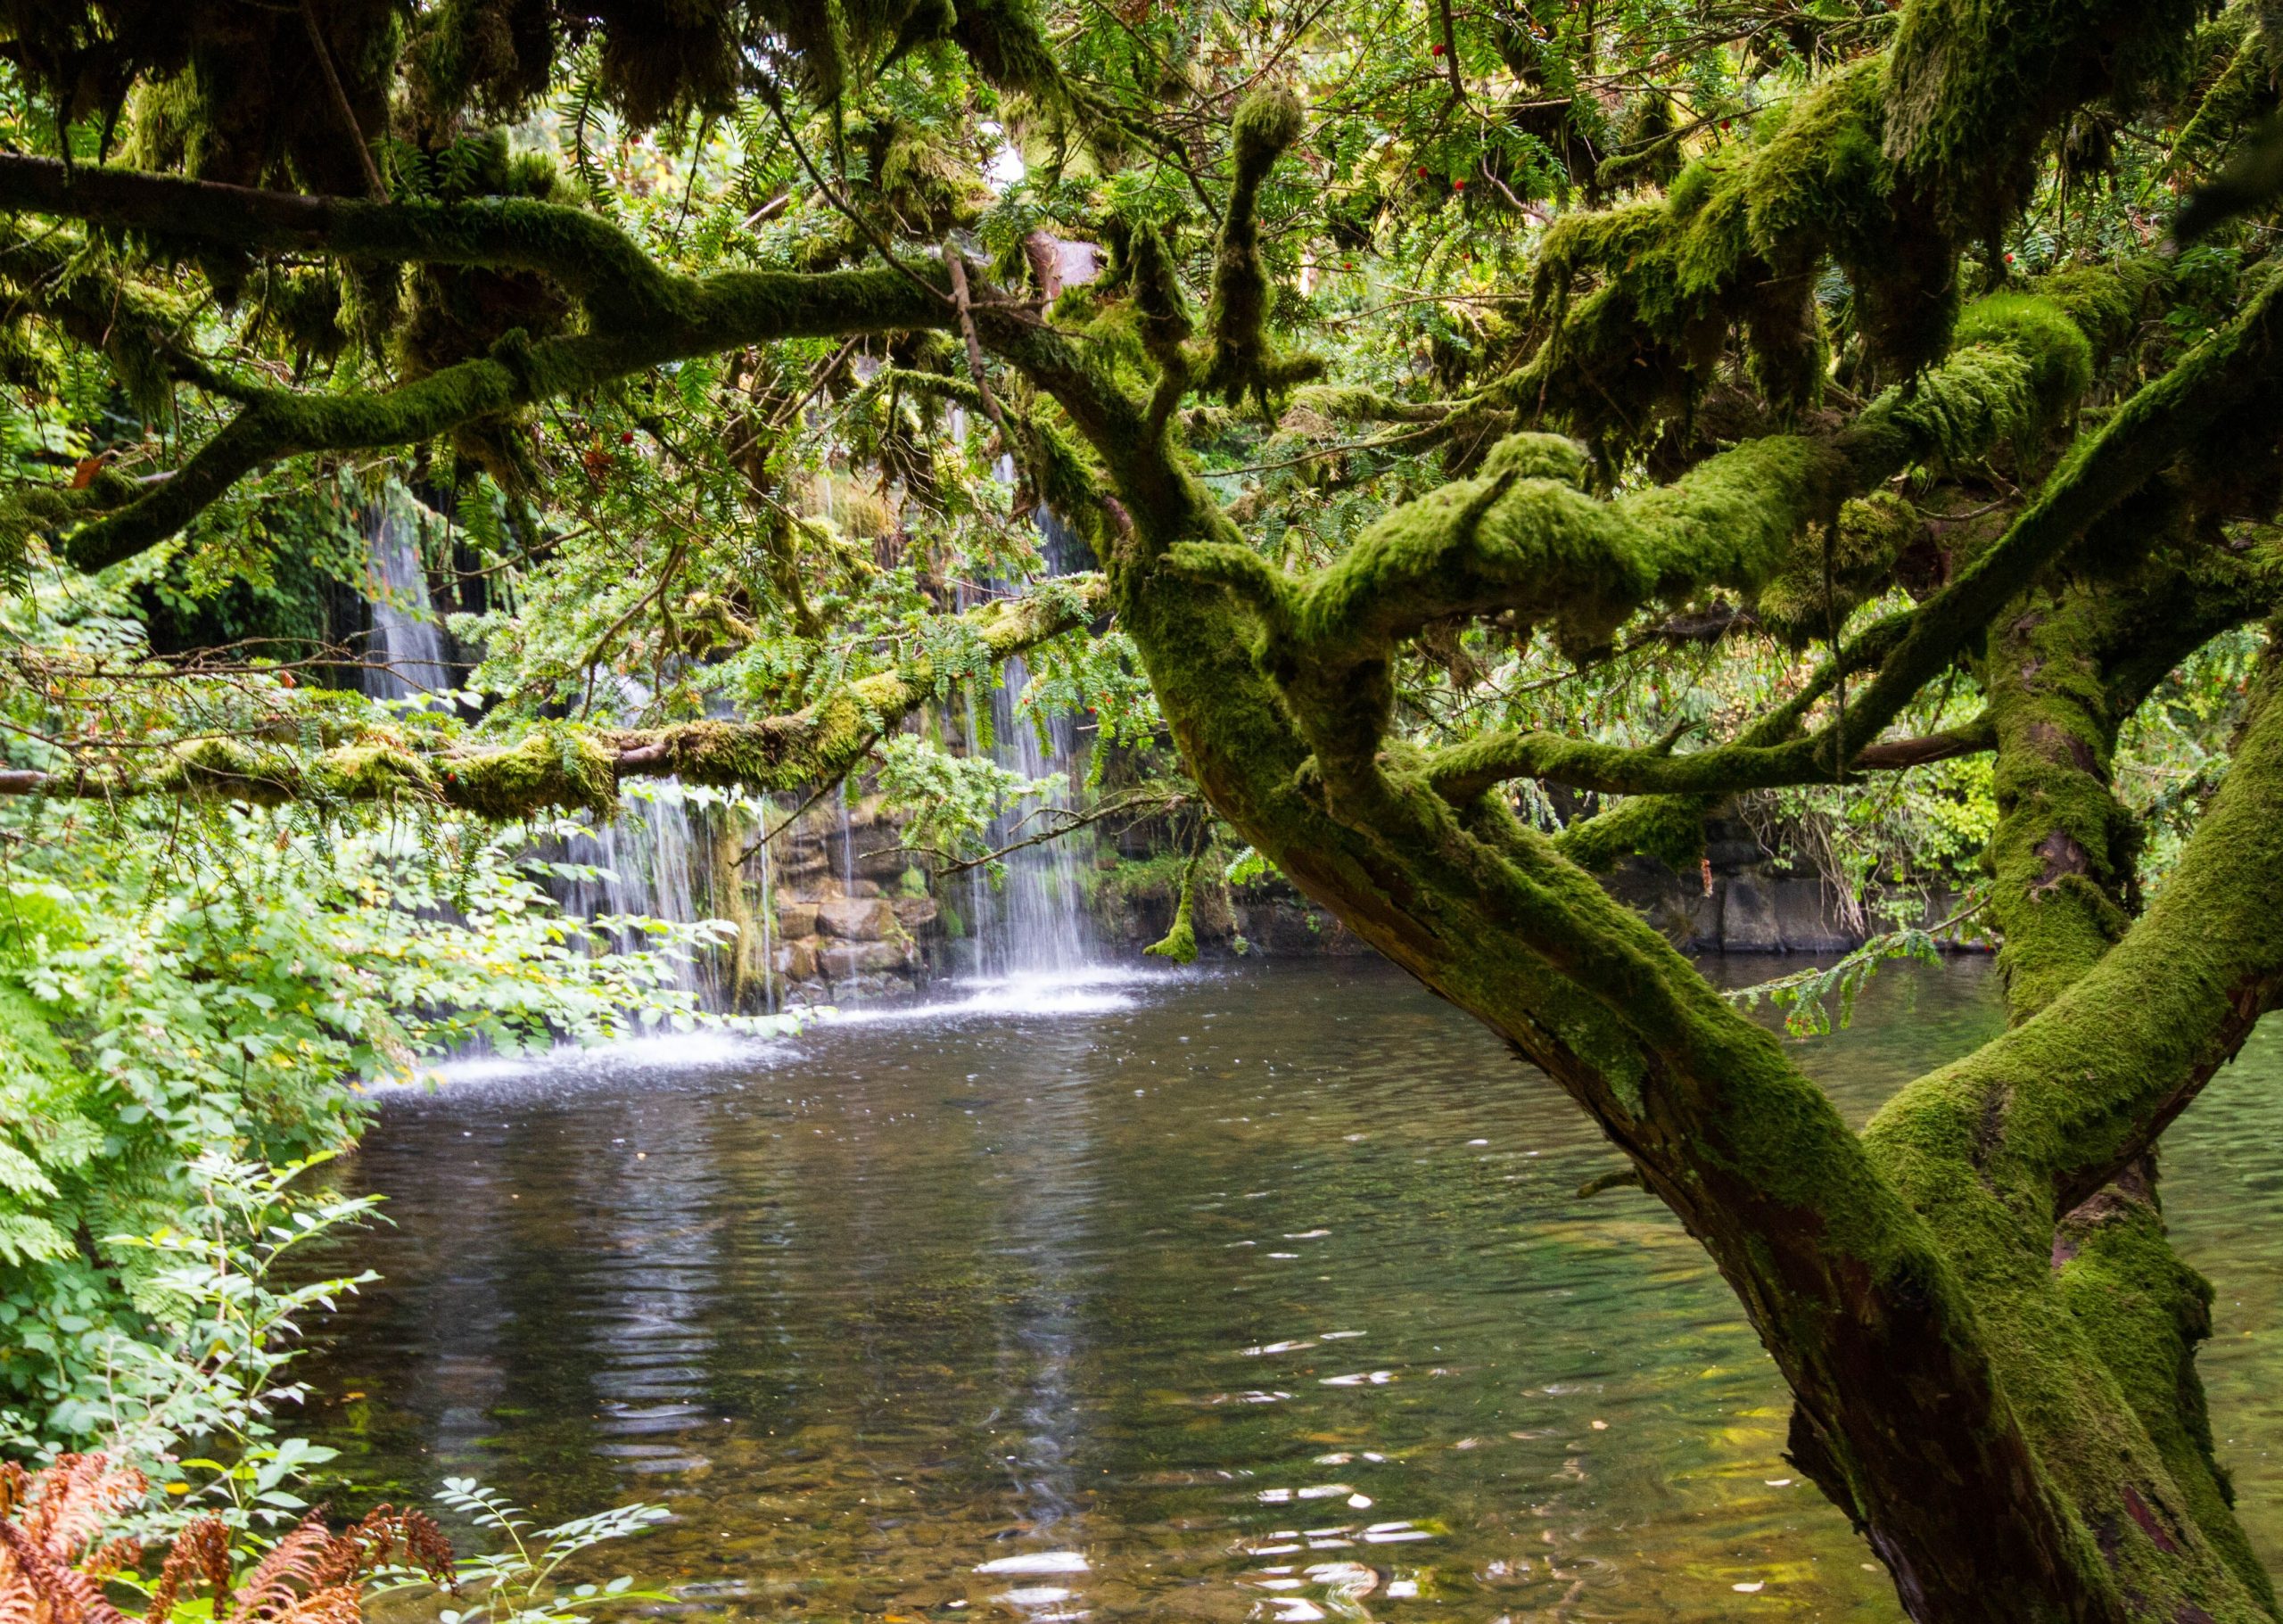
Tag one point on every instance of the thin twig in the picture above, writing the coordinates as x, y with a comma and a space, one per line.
957, 266
835, 782
1142, 806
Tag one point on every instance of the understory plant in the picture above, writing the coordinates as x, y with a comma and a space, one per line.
194, 1507
1511, 442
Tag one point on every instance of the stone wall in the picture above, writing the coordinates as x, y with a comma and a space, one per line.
854, 916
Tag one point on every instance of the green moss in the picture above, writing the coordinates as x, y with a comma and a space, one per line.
1179, 943
2144, 1310
2107, 301
2021, 365
372, 771
2236, 97
1649, 151
1347, 402
1820, 183
1991, 1147
1241, 360
1974, 89
1548, 552
1836, 567
2064, 850
1528, 456
552, 767
2042, 331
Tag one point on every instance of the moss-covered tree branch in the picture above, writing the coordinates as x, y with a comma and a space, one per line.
729, 311
621, 285
559, 765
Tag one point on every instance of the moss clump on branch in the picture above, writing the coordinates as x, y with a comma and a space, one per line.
552, 767
380, 770
1549, 552
1836, 566
1974, 90
1735, 245
1241, 360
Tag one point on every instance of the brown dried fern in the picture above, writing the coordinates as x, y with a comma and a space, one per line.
201, 1552
74, 1499
278, 1578
53, 1561
51, 1592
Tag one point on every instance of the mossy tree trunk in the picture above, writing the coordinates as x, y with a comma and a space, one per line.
1992, 1375
1998, 1389
1989, 1339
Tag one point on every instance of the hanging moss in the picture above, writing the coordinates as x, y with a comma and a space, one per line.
1649, 146
1242, 360
1179, 943
1835, 567
1974, 90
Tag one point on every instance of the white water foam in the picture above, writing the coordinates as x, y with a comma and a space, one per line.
696, 1050
1093, 990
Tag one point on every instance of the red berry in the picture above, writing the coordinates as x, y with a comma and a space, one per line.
2009, 258
1422, 171
626, 437
1438, 50
1725, 122
1458, 186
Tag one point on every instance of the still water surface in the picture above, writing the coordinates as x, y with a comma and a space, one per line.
1261, 1294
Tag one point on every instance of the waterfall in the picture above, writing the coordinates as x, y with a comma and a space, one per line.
644, 856
405, 657
1035, 920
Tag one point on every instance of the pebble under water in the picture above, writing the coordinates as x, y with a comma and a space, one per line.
1262, 1293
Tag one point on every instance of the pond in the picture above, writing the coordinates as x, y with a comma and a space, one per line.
1262, 1293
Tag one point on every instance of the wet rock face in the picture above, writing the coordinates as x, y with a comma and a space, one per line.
851, 918
795, 918
844, 960
1741, 903
857, 919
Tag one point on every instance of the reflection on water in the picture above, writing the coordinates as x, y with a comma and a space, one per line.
1263, 1295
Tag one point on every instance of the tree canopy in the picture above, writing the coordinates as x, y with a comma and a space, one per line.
1504, 436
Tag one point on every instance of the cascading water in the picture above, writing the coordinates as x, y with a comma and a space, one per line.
1033, 922
646, 860
643, 858
405, 657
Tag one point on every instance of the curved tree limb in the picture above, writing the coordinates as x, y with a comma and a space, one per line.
605, 269
727, 311
1466, 771
577, 768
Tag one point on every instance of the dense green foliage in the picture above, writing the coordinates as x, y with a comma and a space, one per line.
1494, 439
